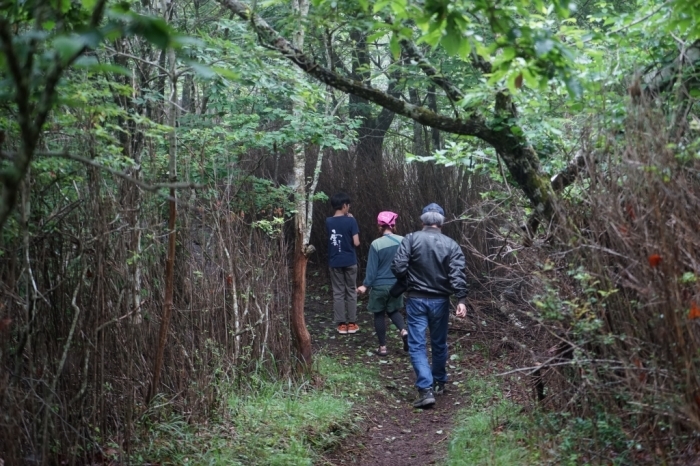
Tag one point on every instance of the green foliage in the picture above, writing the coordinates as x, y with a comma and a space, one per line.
47, 44
581, 313
523, 40
575, 437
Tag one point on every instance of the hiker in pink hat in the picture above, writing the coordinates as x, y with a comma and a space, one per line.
380, 279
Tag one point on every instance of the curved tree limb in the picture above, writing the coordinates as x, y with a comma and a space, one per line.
520, 159
151, 187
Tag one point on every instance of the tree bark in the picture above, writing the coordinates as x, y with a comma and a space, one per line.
370, 184
302, 338
302, 222
170, 260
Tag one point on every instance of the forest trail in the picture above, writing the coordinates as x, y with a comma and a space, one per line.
392, 432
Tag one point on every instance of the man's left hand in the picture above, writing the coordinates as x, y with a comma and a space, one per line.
461, 310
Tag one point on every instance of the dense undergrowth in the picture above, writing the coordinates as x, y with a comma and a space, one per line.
612, 293
266, 421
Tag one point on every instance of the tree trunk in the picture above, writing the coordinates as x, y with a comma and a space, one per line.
302, 338
372, 129
170, 260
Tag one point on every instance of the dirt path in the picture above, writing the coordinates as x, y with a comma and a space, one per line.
393, 432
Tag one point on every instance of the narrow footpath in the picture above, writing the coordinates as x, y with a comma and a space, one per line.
393, 433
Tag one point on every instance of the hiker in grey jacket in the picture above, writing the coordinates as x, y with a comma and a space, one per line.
432, 267
380, 279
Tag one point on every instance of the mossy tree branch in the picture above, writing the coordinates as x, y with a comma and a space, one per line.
502, 133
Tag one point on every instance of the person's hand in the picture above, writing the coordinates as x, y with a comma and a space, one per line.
361, 289
461, 310
348, 214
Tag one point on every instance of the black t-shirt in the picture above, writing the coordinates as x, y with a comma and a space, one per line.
341, 250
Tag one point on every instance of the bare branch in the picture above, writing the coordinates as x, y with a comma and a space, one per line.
141, 184
134, 57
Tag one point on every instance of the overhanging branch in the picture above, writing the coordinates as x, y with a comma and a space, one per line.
141, 184
518, 155
471, 127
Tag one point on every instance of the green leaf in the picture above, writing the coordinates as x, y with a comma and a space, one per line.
377, 35
91, 38
202, 70
452, 41
507, 55
226, 73
380, 5
573, 85
91, 64
465, 48
68, 46
63, 5
154, 30
432, 38
542, 47
395, 46
530, 79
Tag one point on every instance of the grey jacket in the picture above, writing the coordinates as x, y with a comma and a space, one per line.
432, 265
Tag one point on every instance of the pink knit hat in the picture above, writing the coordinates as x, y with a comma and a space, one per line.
387, 218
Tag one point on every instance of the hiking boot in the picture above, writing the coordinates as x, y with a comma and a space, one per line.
343, 329
352, 327
426, 399
439, 388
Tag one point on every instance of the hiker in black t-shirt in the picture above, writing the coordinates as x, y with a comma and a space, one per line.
343, 237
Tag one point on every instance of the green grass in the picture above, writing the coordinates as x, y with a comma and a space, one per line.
491, 430
268, 423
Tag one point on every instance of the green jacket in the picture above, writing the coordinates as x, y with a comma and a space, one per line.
381, 253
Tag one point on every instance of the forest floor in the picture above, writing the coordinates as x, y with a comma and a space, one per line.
392, 432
